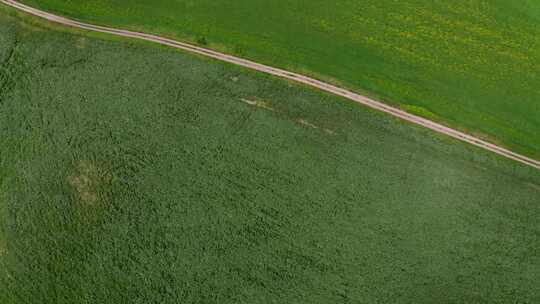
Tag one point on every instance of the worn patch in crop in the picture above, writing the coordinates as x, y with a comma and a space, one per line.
3, 248
313, 126
80, 42
307, 123
259, 104
534, 186
85, 181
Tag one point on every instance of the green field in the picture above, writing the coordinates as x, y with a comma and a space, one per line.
470, 64
134, 174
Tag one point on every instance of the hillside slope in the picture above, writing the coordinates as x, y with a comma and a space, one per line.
473, 65
137, 174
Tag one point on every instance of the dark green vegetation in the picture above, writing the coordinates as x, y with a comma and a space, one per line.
471, 64
131, 174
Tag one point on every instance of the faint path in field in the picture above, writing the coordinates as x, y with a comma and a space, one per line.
284, 74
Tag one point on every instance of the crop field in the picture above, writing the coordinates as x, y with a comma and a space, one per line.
470, 64
138, 174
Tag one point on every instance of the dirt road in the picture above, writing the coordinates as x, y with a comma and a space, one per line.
284, 74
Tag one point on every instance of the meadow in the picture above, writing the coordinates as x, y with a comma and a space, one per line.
139, 174
472, 65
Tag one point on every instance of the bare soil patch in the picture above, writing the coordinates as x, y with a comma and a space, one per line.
260, 104
85, 181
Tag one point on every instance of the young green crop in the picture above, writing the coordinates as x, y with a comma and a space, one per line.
133, 174
471, 64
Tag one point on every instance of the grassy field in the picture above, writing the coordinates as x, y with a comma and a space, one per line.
134, 174
473, 64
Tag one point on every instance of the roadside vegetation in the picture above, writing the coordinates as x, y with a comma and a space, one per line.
137, 174
470, 64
